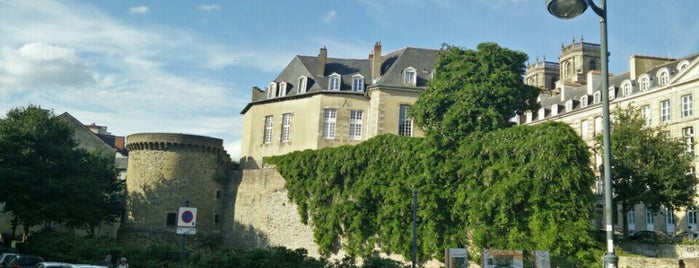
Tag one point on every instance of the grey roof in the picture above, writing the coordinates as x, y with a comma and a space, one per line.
392, 66
85, 137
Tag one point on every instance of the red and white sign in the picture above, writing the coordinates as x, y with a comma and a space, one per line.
187, 217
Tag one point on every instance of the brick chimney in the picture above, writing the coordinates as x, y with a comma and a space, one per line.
257, 93
322, 59
375, 59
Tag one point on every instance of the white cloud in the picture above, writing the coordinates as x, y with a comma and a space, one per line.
329, 16
209, 7
139, 10
42, 65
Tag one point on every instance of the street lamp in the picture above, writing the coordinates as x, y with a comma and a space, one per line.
568, 9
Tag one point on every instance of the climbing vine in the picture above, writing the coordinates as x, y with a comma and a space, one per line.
526, 187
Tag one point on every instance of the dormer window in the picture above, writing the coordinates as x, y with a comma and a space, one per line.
303, 84
583, 101
542, 114
663, 77
554, 110
597, 97
358, 83
645, 82
683, 65
626, 88
409, 76
282, 89
334, 83
612, 93
272, 90
528, 116
569, 106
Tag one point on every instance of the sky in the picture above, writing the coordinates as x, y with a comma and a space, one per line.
189, 66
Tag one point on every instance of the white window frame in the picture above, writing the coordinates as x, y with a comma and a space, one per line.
692, 218
355, 124
644, 82
358, 83
687, 105
612, 93
286, 128
268, 124
683, 65
583, 101
282, 89
665, 110
303, 85
542, 114
272, 90
597, 97
554, 110
528, 115
585, 129
688, 137
650, 220
405, 123
631, 217
663, 76
645, 113
329, 123
334, 82
410, 76
569, 106
598, 125
626, 88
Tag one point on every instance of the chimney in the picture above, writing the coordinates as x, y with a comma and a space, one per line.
376, 62
322, 59
257, 93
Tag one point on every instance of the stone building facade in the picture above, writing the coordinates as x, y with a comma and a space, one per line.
664, 90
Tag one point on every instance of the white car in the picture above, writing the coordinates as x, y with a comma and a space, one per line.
51, 264
6, 257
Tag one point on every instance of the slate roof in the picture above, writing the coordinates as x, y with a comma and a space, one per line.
392, 66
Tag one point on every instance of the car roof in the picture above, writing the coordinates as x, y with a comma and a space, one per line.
53, 264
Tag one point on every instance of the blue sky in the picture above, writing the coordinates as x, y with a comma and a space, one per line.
189, 66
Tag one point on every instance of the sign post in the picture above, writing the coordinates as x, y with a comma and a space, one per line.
186, 225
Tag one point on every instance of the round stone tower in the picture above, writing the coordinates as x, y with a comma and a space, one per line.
164, 172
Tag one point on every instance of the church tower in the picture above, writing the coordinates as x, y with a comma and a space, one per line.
577, 59
542, 74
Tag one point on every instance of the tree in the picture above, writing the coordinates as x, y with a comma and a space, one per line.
648, 167
473, 90
45, 177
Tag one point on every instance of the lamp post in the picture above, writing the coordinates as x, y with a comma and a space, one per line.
568, 9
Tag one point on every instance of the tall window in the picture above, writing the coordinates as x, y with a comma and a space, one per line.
583, 101
687, 105
645, 83
286, 127
688, 136
650, 223
334, 82
593, 65
303, 83
272, 90
645, 113
405, 124
355, 125
669, 217
597, 97
409, 76
267, 137
282, 89
329, 123
358, 83
585, 130
665, 111
663, 77
598, 125
692, 216
631, 217
626, 89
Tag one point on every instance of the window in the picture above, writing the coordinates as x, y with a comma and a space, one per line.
405, 124
626, 88
650, 223
219, 194
688, 136
217, 218
692, 217
355, 125
593, 65
358, 83
665, 111
334, 82
409, 76
598, 125
542, 114
529, 116
645, 82
569, 106
554, 110
631, 217
683, 65
303, 83
597, 97
329, 122
663, 77
267, 137
645, 113
282, 89
583, 101
599, 186
286, 127
612, 93
272, 90
585, 130
686, 105
171, 219
669, 217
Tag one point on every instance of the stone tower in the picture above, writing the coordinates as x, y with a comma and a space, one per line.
164, 171
577, 59
542, 74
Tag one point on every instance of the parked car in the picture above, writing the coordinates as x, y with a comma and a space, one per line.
650, 236
6, 257
23, 261
65, 265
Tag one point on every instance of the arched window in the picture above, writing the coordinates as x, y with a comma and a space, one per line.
334, 83
644, 82
282, 89
358, 83
409, 76
663, 77
303, 84
626, 88
593, 65
272, 90
683, 65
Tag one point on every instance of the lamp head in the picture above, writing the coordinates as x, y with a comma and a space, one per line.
566, 9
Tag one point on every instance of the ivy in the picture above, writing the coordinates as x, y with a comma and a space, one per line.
526, 187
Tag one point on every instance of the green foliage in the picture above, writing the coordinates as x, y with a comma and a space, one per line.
46, 178
518, 188
647, 166
473, 90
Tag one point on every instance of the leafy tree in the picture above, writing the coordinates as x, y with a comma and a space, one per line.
648, 167
46, 178
473, 90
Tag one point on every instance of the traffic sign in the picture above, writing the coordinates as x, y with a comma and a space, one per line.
187, 217
186, 230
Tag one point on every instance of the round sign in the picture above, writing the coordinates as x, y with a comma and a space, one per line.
187, 216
